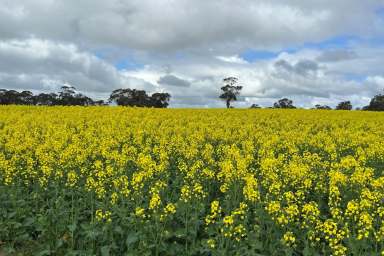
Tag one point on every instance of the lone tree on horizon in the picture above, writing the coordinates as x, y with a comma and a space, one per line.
230, 90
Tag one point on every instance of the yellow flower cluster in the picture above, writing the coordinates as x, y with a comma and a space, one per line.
289, 239
101, 215
215, 212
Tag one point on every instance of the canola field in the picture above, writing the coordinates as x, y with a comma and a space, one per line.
130, 181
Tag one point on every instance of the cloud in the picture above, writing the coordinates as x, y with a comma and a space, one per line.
232, 59
179, 25
171, 80
43, 64
302, 67
337, 55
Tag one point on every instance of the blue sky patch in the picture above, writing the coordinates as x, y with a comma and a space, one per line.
254, 55
355, 77
338, 42
120, 62
127, 64
380, 12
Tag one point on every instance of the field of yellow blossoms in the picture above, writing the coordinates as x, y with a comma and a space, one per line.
130, 181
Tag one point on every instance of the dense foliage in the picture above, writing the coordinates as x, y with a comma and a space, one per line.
284, 103
126, 181
69, 97
139, 98
344, 105
230, 90
376, 104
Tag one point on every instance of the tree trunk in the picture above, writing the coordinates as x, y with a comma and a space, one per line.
228, 103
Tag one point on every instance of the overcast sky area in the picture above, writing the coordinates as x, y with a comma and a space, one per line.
312, 51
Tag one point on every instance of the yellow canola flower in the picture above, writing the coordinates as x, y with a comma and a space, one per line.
211, 243
154, 202
170, 209
289, 239
102, 215
140, 212
228, 220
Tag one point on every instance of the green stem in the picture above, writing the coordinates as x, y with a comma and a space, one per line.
186, 231
72, 231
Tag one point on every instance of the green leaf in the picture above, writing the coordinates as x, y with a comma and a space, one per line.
105, 250
131, 239
119, 230
59, 243
29, 221
11, 214
72, 227
257, 244
44, 252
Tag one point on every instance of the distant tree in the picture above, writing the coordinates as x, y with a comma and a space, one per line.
325, 107
284, 103
25, 98
160, 100
100, 103
82, 100
139, 98
3, 99
67, 91
129, 97
230, 90
8, 97
255, 106
68, 97
45, 99
344, 105
376, 104
12, 97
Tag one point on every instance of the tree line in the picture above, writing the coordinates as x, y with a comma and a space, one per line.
68, 96
231, 91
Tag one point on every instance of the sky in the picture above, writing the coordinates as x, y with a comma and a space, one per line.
313, 51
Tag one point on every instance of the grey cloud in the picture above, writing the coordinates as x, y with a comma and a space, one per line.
302, 67
305, 66
35, 64
163, 26
284, 64
337, 55
171, 80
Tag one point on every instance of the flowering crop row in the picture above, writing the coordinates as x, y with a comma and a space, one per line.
127, 181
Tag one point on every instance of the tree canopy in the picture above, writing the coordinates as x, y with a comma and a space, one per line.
68, 96
254, 106
344, 105
139, 98
230, 90
376, 104
324, 107
284, 103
